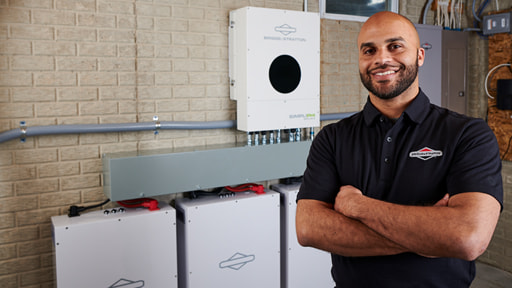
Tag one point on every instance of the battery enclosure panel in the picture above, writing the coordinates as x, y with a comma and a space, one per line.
134, 248
229, 242
301, 267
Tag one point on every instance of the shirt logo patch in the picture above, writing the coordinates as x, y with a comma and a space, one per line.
426, 153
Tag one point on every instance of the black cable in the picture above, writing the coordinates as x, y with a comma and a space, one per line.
75, 210
217, 191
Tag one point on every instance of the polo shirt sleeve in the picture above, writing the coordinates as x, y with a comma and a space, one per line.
321, 180
476, 166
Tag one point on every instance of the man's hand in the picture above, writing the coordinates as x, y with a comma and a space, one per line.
346, 201
443, 201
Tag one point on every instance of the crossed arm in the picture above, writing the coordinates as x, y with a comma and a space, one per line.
460, 226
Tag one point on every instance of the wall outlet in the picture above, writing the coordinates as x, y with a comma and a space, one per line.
496, 23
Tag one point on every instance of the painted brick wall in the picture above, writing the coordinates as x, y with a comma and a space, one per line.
102, 61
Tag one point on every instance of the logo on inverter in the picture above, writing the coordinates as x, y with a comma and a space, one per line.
285, 29
237, 261
308, 116
426, 153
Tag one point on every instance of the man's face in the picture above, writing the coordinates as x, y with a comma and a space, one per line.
389, 57
386, 88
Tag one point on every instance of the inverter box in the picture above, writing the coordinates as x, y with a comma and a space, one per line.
274, 68
229, 242
301, 267
117, 247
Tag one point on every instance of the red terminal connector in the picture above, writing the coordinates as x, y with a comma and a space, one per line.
149, 203
258, 189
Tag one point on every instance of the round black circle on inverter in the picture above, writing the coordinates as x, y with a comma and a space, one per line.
284, 74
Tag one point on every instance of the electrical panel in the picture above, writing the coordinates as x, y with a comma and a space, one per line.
443, 76
301, 267
118, 247
430, 73
229, 242
274, 68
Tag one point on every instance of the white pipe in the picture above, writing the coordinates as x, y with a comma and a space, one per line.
23, 132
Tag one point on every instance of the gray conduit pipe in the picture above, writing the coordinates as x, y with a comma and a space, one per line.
427, 7
23, 132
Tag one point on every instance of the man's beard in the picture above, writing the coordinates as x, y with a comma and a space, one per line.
409, 75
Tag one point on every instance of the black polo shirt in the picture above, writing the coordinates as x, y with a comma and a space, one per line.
428, 152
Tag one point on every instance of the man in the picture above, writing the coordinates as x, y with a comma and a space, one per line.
403, 193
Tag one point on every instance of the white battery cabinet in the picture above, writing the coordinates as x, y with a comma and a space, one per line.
301, 267
118, 247
229, 242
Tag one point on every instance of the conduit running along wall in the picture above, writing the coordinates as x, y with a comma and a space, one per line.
26, 131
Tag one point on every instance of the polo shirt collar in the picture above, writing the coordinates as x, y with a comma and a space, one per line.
416, 111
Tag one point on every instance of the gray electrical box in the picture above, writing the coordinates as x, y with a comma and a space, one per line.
430, 73
130, 175
454, 84
443, 76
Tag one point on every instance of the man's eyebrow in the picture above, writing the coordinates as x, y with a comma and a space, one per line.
390, 40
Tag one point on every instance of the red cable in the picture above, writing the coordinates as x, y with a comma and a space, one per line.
152, 204
258, 189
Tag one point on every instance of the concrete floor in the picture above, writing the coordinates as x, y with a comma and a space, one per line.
491, 277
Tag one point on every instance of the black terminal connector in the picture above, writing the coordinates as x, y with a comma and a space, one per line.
75, 211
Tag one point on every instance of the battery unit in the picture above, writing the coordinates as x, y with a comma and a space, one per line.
301, 267
229, 242
118, 247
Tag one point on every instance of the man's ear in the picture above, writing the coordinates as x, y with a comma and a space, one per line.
421, 56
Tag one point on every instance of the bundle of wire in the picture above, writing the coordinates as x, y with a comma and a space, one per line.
449, 14
478, 13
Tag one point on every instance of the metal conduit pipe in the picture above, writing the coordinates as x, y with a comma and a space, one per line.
21, 133
427, 7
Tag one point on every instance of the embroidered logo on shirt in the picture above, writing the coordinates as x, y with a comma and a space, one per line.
426, 153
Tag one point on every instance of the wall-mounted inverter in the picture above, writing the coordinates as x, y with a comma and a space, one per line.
229, 242
117, 247
301, 267
274, 68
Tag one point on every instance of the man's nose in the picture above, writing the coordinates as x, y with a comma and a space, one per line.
381, 57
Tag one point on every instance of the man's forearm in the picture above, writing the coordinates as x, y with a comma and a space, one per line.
319, 226
461, 229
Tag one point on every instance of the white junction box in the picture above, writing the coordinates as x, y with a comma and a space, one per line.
274, 68
301, 267
229, 242
118, 247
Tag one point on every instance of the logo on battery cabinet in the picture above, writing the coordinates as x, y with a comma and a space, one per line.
426, 153
285, 29
237, 261
127, 284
